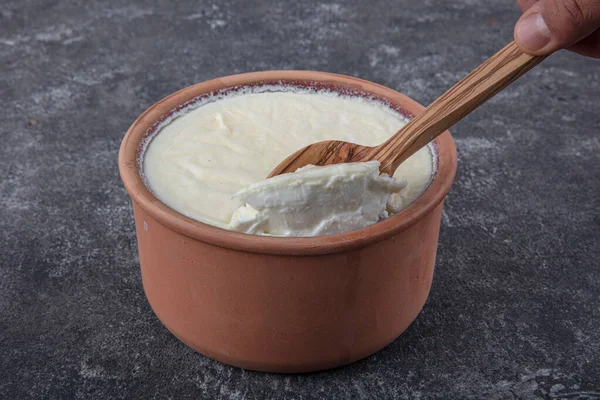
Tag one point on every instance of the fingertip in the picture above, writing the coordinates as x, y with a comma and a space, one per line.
532, 34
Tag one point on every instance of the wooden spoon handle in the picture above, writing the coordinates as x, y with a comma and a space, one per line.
485, 81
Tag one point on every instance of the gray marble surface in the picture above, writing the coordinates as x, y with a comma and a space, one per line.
514, 312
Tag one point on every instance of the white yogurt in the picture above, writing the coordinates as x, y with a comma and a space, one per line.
198, 161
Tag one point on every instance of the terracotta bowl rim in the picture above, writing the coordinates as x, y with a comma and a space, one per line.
424, 204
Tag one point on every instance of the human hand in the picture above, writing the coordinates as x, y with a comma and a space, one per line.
550, 25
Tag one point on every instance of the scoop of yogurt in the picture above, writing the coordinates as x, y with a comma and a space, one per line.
316, 201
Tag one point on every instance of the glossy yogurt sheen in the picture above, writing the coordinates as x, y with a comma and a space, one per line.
199, 159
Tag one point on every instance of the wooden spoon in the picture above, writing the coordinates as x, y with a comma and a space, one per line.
485, 81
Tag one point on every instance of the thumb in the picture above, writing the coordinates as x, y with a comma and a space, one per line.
550, 25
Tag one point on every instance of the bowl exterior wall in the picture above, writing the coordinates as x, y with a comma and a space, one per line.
286, 313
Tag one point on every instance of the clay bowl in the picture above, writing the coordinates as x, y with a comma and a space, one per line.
285, 304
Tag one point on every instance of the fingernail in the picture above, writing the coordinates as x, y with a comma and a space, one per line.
532, 33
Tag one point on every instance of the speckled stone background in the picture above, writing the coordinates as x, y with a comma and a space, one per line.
514, 311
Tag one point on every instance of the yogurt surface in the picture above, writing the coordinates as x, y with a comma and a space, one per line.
199, 162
